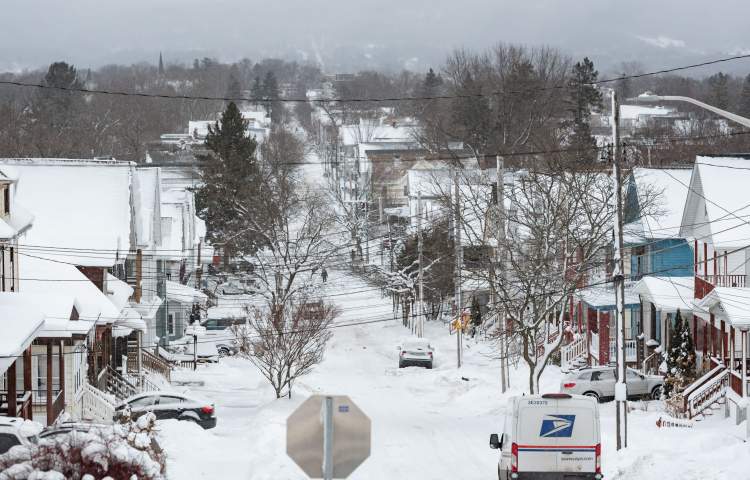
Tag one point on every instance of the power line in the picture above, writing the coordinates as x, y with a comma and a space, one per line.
362, 100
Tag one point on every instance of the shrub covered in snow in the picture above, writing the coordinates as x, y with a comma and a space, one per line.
123, 451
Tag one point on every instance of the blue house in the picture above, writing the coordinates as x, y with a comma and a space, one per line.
659, 258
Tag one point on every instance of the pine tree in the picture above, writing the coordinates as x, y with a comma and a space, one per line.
719, 84
583, 97
744, 109
431, 84
271, 96
256, 92
161, 65
234, 88
680, 358
231, 185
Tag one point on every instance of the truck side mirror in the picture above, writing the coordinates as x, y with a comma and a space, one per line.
495, 442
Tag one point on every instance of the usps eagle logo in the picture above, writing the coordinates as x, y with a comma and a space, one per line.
557, 426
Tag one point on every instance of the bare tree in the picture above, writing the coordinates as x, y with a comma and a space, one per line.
287, 343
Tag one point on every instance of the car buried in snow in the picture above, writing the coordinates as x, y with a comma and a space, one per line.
416, 352
169, 405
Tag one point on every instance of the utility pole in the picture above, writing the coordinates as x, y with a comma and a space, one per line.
500, 261
199, 268
619, 281
420, 317
457, 276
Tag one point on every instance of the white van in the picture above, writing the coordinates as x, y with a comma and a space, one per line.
552, 436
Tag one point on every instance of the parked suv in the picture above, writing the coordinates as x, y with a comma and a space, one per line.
599, 382
417, 352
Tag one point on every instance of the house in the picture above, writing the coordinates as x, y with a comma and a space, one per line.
184, 305
715, 221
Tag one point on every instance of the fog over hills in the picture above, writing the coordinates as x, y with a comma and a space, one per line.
345, 35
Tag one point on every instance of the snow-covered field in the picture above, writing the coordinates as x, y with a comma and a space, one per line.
426, 424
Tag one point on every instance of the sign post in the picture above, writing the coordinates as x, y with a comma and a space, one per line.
328, 436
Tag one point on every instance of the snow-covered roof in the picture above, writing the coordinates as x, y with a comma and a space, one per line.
635, 112
667, 293
667, 190
731, 303
45, 276
118, 292
20, 327
716, 210
56, 311
216, 313
370, 132
603, 297
77, 204
16, 223
182, 293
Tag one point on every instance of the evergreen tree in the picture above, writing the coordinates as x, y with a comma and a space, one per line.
234, 88
744, 109
56, 114
719, 85
680, 358
271, 96
431, 84
161, 65
583, 97
231, 185
256, 92
476, 312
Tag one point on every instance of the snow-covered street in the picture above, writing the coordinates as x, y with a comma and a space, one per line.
425, 423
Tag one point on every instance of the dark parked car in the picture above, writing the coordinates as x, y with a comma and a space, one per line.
169, 405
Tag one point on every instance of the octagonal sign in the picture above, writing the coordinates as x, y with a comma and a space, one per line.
305, 436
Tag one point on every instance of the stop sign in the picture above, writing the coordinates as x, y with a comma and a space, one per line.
305, 436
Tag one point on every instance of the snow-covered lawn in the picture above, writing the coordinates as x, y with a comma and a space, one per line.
426, 424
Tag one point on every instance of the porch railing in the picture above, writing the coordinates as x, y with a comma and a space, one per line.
725, 280
23, 407
700, 394
91, 404
155, 364
572, 352
630, 350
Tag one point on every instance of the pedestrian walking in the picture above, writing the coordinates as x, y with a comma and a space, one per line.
324, 274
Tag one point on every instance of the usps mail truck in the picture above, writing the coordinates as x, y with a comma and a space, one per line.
550, 437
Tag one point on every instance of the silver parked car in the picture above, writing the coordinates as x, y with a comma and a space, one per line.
599, 382
417, 352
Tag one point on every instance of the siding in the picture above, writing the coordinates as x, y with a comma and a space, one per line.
671, 258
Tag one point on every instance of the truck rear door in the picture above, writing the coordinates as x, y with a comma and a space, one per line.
576, 434
537, 452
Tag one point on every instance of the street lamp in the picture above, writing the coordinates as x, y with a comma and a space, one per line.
649, 97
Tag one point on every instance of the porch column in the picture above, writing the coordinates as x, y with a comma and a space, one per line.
705, 340
712, 340
49, 382
27, 377
723, 341
744, 363
10, 380
61, 365
731, 348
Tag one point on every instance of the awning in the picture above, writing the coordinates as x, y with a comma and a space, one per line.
603, 297
667, 293
728, 303
178, 292
19, 327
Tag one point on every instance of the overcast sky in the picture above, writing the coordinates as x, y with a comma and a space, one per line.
344, 34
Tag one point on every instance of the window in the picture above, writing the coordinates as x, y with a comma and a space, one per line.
6, 199
603, 376
143, 401
585, 376
7, 441
171, 324
169, 400
166, 227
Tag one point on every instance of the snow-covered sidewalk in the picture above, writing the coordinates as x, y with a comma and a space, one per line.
425, 423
